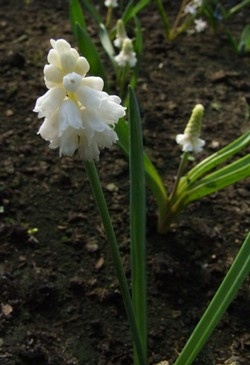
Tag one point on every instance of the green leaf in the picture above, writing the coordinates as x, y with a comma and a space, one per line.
114, 248
153, 178
137, 220
132, 9
214, 160
164, 16
89, 51
138, 37
138, 50
231, 284
244, 44
155, 183
219, 179
232, 41
237, 8
102, 31
106, 43
92, 10
76, 15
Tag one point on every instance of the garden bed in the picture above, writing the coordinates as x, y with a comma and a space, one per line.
60, 301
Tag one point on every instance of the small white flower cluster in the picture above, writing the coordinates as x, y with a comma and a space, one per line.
127, 56
192, 7
111, 3
190, 140
77, 114
200, 25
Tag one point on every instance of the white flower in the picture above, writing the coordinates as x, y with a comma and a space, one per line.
200, 25
192, 7
78, 114
190, 143
127, 56
111, 3
190, 140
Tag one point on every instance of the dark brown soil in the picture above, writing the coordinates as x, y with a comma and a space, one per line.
60, 301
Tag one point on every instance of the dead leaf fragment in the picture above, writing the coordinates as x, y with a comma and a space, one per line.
7, 309
99, 263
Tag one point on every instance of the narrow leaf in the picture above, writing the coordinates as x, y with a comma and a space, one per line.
106, 43
88, 50
214, 160
114, 248
92, 10
76, 15
218, 180
132, 9
237, 7
137, 219
218, 306
164, 16
153, 178
138, 50
244, 44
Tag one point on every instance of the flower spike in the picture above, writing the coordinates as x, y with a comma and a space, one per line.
190, 140
127, 56
78, 115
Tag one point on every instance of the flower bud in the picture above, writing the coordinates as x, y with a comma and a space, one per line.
111, 3
193, 127
190, 140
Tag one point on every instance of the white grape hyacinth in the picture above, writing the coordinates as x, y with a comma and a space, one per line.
127, 56
200, 25
190, 140
78, 115
192, 7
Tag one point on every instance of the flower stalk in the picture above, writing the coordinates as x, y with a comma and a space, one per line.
190, 142
111, 238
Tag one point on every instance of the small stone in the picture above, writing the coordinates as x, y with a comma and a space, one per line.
111, 187
9, 113
92, 246
176, 313
7, 309
214, 144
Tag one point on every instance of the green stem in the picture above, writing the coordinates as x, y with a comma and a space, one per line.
167, 214
173, 33
164, 17
182, 165
219, 304
111, 238
109, 16
122, 78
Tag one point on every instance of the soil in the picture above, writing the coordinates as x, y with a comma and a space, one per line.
60, 301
